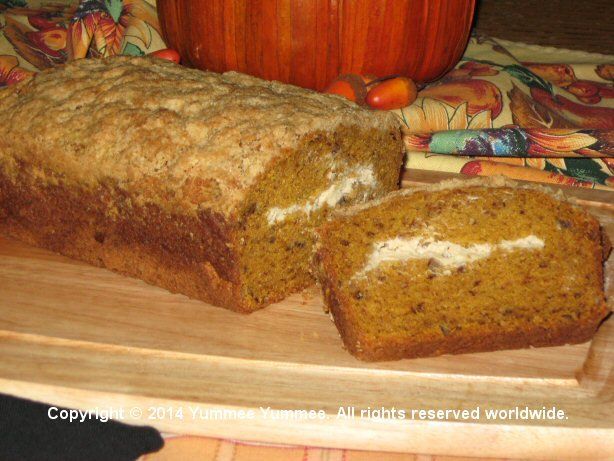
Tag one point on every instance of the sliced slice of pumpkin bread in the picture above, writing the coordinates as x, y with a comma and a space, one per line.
462, 266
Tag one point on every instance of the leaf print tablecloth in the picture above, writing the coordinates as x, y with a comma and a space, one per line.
527, 112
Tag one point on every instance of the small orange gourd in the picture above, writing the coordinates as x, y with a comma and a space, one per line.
350, 86
393, 93
168, 54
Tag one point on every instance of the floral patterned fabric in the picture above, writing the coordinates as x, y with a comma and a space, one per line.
35, 35
539, 117
526, 112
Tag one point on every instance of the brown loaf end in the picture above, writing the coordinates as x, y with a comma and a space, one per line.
423, 307
170, 174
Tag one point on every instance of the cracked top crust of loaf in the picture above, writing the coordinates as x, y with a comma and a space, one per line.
148, 125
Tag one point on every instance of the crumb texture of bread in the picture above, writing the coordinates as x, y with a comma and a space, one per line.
460, 268
205, 184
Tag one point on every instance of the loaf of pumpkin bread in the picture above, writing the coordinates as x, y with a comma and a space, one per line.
205, 184
462, 266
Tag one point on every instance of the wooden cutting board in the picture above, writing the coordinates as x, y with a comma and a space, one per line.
83, 337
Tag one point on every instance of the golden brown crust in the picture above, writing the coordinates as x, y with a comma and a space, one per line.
164, 133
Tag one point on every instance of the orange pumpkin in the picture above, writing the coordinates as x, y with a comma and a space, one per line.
310, 42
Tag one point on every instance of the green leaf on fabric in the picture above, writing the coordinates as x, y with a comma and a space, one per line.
528, 78
13, 3
586, 170
114, 8
132, 50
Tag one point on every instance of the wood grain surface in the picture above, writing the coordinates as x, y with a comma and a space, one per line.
83, 337
573, 24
